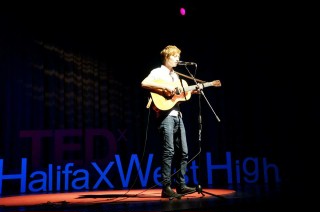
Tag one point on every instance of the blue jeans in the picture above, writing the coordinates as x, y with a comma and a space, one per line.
174, 150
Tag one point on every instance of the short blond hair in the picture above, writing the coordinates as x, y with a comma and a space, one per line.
169, 51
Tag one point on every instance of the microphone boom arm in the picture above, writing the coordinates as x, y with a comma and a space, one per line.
198, 80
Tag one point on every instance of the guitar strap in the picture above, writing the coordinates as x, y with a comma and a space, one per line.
149, 102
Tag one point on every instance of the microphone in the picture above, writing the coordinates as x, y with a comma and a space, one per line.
183, 63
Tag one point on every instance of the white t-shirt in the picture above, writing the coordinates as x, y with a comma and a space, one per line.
164, 74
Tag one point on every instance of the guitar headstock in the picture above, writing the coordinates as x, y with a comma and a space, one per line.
216, 83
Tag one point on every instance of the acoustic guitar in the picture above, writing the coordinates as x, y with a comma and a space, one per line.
183, 93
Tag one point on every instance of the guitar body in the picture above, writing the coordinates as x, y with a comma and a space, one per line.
166, 103
183, 94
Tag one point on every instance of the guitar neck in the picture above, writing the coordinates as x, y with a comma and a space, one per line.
202, 85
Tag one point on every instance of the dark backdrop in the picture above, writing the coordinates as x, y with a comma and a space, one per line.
80, 67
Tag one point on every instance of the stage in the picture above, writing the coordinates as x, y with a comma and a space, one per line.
105, 197
209, 199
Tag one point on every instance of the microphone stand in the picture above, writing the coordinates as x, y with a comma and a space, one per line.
199, 187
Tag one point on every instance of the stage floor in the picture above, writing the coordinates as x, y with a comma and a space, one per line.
208, 199
113, 196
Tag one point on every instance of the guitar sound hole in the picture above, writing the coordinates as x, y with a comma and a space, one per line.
177, 92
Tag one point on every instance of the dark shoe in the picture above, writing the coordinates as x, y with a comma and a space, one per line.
167, 192
186, 190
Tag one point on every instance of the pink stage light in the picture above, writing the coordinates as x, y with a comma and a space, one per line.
182, 11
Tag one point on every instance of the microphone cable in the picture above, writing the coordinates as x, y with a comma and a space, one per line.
141, 160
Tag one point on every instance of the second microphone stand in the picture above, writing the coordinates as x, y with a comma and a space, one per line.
196, 81
199, 187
